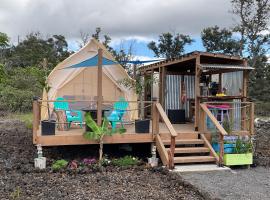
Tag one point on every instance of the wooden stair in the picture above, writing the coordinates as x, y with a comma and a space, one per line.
192, 150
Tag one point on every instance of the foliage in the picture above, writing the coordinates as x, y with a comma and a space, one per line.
18, 86
16, 193
33, 49
125, 161
228, 125
170, 45
98, 132
59, 164
242, 146
138, 84
3, 40
262, 109
220, 41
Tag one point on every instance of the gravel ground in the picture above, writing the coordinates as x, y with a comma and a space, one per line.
19, 179
240, 184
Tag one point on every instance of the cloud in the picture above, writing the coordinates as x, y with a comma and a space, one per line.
121, 19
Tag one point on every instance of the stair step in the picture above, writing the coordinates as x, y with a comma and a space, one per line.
191, 150
186, 141
194, 159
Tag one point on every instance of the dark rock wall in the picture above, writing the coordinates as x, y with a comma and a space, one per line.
262, 142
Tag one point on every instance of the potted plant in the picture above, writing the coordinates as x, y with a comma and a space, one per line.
47, 126
242, 154
98, 132
138, 84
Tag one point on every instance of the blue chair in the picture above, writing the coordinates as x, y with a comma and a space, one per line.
119, 109
71, 115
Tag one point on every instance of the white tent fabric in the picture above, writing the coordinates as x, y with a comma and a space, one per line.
83, 81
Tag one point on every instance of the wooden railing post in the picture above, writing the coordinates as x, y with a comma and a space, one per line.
36, 119
155, 120
172, 150
251, 117
221, 150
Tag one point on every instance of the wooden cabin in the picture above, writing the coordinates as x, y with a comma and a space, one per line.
189, 86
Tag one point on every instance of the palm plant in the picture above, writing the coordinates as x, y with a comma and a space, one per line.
98, 132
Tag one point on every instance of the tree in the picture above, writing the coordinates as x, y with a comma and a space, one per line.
219, 40
4, 40
253, 24
33, 49
170, 45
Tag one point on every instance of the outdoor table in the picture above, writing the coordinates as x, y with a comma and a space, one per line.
93, 112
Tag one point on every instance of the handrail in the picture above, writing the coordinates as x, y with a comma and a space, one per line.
221, 131
213, 119
207, 143
168, 156
166, 120
91, 101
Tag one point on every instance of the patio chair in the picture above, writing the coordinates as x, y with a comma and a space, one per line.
119, 109
71, 115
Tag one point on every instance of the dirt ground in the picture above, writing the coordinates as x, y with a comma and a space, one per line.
19, 179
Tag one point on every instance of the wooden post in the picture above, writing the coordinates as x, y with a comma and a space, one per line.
221, 149
197, 91
251, 123
244, 97
99, 88
220, 83
172, 148
36, 114
155, 120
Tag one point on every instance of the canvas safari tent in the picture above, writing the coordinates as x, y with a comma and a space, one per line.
81, 83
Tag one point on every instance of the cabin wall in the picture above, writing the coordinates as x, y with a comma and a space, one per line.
173, 92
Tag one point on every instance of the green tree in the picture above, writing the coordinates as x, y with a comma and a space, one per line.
252, 25
170, 45
219, 40
4, 40
33, 49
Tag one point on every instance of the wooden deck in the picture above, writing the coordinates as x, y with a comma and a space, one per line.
74, 136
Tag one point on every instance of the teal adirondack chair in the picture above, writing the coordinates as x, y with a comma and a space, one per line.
72, 115
119, 109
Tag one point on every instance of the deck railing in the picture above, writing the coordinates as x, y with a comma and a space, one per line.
167, 157
241, 115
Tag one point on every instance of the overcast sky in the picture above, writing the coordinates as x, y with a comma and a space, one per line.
121, 19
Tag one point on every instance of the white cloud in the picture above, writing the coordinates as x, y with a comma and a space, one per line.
121, 19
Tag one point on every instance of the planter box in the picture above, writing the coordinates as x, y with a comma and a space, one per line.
238, 159
142, 126
48, 127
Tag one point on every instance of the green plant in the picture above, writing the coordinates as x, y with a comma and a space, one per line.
242, 146
16, 193
59, 164
98, 132
125, 161
228, 125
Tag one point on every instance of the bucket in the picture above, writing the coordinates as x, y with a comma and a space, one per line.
40, 163
153, 162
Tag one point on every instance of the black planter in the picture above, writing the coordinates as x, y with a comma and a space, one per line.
176, 116
142, 126
48, 127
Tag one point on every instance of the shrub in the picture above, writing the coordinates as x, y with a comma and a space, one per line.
59, 164
125, 161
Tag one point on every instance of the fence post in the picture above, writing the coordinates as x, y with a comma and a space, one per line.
221, 149
155, 120
36, 119
251, 121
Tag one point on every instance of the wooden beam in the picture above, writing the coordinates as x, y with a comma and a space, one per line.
162, 151
220, 82
99, 88
251, 123
197, 91
207, 144
36, 120
244, 95
163, 86
59, 140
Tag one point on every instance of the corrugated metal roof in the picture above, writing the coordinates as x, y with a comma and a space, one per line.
221, 66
